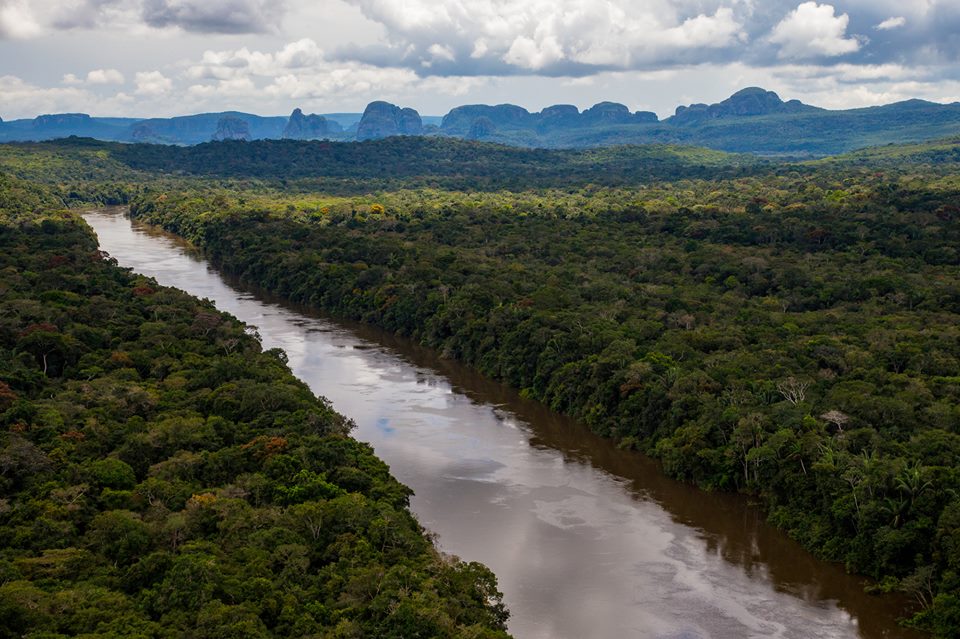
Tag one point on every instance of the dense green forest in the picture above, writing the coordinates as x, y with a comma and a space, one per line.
162, 476
792, 334
351, 168
785, 330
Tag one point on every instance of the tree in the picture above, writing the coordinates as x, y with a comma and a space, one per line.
836, 418
793, 390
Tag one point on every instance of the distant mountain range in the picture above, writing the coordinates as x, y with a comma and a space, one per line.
750, 121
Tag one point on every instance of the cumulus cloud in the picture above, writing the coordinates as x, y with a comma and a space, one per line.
21, 19
105, 76
300, 72
813, 30
215, 16
853, 73
230, 64
22, 98
86, 14
552, 36
435, 52
97, 76
230, 87
17, 21
892, 23
152, 83
578, 38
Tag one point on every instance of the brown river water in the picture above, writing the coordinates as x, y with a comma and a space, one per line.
587, 541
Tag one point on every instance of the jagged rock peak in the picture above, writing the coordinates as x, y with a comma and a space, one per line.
306, 127
382, 119
230, 127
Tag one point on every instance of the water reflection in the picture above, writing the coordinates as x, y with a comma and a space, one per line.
586, 540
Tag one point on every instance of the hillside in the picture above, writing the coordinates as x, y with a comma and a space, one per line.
752, 120
360, 166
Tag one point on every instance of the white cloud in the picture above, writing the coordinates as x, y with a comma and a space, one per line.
813, 30
853, 73
97, 76
892, 23
152, 83
15, 93
17, 21
22, 19
105, 76
20, 98
345, 82
452, 85
300, 54
718, 30
436, 54
224, 65
232, 87
555, 35
527, 53
480, 48
299, 71
441, 52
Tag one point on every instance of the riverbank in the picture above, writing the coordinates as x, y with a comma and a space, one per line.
559, 514
162, 475
813, 371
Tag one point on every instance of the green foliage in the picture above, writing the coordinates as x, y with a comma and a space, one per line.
786, 330
162, 476
88, 171
791, 335
453, 163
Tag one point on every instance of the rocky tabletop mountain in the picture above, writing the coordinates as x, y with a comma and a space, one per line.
504, 117
382, 120
460, 119
753, 120
615, 113
748, 102
61, 120
309, 127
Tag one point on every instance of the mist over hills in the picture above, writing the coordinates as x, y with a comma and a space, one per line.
750, 121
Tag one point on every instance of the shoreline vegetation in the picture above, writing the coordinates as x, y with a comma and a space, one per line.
163, 476
784, 330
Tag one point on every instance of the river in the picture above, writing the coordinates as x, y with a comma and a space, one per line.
587, 541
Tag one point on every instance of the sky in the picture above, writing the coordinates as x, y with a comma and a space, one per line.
159, 58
